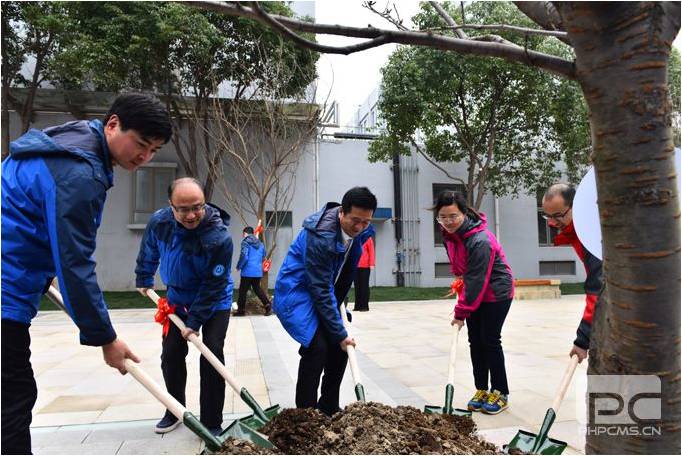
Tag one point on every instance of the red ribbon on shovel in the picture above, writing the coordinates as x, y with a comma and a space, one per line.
163, 310
456, 287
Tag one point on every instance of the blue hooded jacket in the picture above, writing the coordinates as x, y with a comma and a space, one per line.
314, 278
251, 257
195, 264
54, 185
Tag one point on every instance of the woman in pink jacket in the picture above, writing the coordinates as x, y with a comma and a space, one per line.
477, 257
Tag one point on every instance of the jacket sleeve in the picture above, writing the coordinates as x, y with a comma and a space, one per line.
243, 256
213, 287
319, 270
480, 259
593, 286
147, 258
73, 212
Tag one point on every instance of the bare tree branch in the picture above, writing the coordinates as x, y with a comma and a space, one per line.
540, 60
504, 27
449, 20
434, 163
545, 15
386, 14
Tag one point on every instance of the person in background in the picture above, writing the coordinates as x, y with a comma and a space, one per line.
54, 184
191, 242
477, 257
557, 205
361, 281
250, 265
311, 285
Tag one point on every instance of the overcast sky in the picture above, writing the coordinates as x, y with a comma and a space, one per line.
351, 78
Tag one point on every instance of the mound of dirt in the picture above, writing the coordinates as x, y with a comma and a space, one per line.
254, 306
369, 428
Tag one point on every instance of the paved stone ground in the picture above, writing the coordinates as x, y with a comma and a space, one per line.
84, 407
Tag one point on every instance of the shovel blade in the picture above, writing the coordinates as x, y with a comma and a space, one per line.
253, 422
437, 409
525, 441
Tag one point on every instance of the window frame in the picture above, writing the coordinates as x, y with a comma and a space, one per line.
153, 166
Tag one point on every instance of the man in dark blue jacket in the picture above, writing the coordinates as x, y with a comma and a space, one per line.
312, 284
191, 241
251, 266
54, 184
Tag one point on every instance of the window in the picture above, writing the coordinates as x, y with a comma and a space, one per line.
437, 188
442, 270
546, 233
278, 218
551, 268
150, 190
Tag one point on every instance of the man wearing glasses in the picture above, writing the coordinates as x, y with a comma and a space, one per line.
191, 242
557, 205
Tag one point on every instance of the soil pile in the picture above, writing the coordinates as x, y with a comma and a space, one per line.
253, 304
370, 428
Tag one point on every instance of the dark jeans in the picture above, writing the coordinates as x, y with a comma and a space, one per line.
322, 355
362, 289
484, 328
244, 285
19, 391
212, 391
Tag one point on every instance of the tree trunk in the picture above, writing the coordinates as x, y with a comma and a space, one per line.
621, 57
5, 123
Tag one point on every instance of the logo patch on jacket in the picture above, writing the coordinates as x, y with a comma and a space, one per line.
219, 270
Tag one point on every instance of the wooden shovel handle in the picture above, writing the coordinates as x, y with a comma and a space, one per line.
354, 369
565, 381
175, 407
453, 355
208, 354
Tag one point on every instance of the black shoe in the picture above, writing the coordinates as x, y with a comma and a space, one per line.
216, 431
268, 310
167, 424
238, 313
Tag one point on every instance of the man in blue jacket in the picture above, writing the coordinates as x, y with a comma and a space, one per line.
312, 284
54, 184
191, 241
251, 266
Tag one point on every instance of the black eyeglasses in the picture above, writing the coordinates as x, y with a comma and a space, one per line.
186, 210
555, 216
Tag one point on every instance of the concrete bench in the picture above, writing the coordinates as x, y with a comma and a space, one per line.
537, 289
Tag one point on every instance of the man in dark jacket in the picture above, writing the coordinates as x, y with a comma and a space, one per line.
192, 243
251, 266
312, 284
557, 205
54, 184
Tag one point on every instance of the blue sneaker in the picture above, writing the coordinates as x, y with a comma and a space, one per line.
495, 403
167, 423
476, 402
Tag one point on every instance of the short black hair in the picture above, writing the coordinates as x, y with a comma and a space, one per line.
183, 180
359, 197
248, 230
143, 113
454, 198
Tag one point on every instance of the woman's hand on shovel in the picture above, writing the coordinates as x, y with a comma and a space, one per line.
346, 342
115, 354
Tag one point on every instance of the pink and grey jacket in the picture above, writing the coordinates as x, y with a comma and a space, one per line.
476, 255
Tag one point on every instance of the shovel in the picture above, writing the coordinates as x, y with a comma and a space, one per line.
354, 369
213, 443
449, 388
541, 443
243, 428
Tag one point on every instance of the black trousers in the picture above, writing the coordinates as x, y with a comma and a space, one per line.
484, 327
212, 385
322, 355
244, 285
362, 289
19, 391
